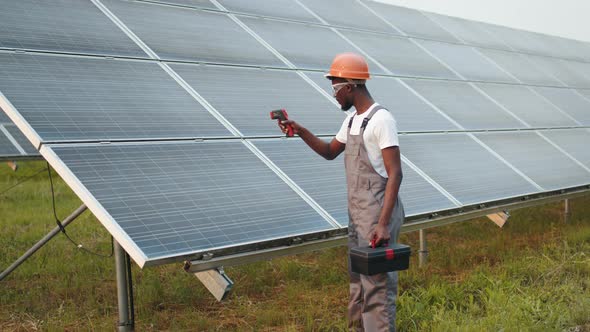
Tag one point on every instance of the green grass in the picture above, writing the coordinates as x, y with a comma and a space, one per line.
531, 275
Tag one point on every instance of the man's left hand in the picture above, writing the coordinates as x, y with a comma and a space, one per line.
381, 235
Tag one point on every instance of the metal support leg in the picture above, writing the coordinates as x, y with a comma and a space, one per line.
566, 210
43, 241
423, 253
124, 290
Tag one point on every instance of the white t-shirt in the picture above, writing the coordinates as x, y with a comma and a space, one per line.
381, 133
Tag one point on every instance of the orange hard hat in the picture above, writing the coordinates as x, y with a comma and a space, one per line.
349, 65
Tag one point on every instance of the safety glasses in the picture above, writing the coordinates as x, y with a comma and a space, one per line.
336, 87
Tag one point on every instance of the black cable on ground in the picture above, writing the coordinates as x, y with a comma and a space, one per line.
21, 182
62, 228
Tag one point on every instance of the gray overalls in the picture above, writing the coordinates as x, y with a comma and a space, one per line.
372, 298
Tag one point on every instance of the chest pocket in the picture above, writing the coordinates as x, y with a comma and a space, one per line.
353, 146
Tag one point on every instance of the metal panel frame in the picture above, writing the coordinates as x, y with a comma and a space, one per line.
217, 259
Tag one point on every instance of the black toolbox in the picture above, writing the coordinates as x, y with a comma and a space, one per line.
370, 261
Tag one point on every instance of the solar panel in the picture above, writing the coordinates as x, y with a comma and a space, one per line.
410, 112
398, 54
170, 200
7, 149
470, 32
191, 35
520, 67
325, 181
411, 21
306, 46
347, 13
466, 61
574, 142
569, 101
585, 93
580, 70
541, 162
246, 96
67, 98
463, 168
24, 143
559, 69
527, 105
64, 26
191, 3
4, 119
288, 9
464, 104
518, 40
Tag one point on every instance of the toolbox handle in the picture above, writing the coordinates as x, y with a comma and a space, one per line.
373, 243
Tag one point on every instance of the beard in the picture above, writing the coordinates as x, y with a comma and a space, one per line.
346, 106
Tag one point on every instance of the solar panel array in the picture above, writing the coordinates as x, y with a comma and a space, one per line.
156, 112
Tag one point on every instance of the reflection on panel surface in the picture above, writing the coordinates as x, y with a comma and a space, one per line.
463, 167
470, 32
325, 181
191, 3
288, 9
398, 54
409, 111
466, 61
63, 25
182, 198
410, 21
573, 141
464, 104
537, 159
65, 98
245, 96
569, 101
527, 105
306, 46
192, 35
347, 13
520, 67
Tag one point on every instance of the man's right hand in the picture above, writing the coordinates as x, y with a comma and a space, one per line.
283, 125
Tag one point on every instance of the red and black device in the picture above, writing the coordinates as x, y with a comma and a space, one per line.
371, 260
281, 115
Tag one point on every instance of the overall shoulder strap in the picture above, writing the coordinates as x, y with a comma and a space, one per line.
366, 120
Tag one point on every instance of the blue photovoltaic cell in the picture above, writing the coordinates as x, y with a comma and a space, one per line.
348, 13
569, 101
535, 110
521, 67
191, 35
464, 104
67, 98
325, 181
306, 46
62, 25
398, 54
470, 32
411, 21
287, 9
543, 163
245, 97
182, 198
410, 112
24, 143
463, 167
573, 141
565, 71
191, 3
466, 61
